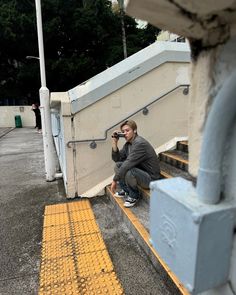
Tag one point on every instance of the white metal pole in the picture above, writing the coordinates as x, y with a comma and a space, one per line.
49, 150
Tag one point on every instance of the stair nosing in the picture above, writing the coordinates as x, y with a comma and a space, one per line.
177, 158
183, 142
145, 236
165, 174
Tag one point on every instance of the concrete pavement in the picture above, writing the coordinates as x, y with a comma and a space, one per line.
23, 195
5, 130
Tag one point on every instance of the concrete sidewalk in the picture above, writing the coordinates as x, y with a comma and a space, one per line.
5, 130
24, 193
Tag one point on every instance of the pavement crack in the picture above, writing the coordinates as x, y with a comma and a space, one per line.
19, 277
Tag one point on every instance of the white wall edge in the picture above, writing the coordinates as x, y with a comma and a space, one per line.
126, 71
171, 144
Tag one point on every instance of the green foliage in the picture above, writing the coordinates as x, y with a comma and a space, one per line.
81, 39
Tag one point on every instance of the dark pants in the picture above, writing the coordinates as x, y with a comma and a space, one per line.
133, 178
38, 122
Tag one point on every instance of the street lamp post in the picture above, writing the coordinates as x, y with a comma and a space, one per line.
49, 158
32, 57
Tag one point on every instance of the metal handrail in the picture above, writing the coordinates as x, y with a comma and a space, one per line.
92, 141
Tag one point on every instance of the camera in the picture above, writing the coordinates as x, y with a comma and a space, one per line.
118, 135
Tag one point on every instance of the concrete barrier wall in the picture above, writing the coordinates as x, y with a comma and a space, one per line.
8, 113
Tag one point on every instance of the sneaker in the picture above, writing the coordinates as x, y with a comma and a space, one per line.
121, 194
130, 202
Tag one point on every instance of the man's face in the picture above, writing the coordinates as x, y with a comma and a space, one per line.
129, 133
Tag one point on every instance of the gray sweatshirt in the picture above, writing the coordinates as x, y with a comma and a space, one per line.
139, 154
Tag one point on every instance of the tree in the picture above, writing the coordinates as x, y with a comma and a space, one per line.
17, 34
81, 39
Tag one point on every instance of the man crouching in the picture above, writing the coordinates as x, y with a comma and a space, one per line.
137, 163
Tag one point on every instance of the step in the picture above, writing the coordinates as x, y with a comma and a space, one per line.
74, 257
175, 158
171, 171
137, 219
165, 174
182, 146
167, 171
135, 271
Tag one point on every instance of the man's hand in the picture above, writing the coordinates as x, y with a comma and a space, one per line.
113, 186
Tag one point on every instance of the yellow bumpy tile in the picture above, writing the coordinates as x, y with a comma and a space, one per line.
56, 219
57, 248
94, 263
84, 227
57, 271
74, 257
81, 205
81, 215
88, 243
106, 283
65, 288
51, 233
53, 209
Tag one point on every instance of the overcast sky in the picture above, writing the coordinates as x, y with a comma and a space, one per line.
141, 23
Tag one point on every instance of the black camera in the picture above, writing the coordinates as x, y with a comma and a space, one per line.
118, 135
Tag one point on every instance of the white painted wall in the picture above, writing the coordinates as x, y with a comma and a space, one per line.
89, 109
167, 119
8, 113
61, 114
208, 75
85, 167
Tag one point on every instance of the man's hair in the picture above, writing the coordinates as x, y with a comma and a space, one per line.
130, 123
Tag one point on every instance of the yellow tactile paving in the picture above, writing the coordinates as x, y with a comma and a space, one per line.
56, 219
84, 227
76, 206
89, 243
57, 248
106, 283
74, 256
65, 288
53, 209
94, 263
57, 232
57, 271
81, 215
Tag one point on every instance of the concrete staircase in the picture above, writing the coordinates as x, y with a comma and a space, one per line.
173, 163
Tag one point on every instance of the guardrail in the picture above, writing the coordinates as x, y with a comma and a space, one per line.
144, 110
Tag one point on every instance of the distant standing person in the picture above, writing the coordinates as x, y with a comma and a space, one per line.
137, 163
36, 110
